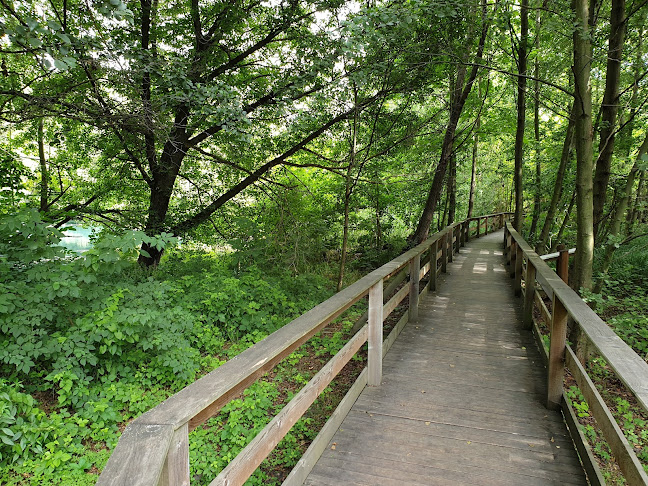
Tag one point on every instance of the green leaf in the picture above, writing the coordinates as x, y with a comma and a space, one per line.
60, 65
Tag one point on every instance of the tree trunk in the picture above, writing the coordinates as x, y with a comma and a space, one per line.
558, 186
471, 196
518, 217
619, 216
44, 174
583, 136
564, 222
536, 134
348, 189
609, 110
452, 189
461, 93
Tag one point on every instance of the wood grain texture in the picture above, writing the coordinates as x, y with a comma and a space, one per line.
374, 356
246, 462
629, 367
144, 444
461, 400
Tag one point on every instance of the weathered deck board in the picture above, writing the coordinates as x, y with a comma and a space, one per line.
462, 394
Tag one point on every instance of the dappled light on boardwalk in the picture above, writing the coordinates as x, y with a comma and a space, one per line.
461, 400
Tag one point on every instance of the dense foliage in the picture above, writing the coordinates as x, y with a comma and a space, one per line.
252, 155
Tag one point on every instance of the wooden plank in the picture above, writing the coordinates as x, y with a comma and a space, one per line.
444, 253
246, 462
401, 426
471, 447
632, 469
415, 269
143, 444
553, 256
374, 358
434, 258
205, 397
176, 467
450, 243
395, 301
305, 464
529, 287
519, 258
546, 315
556, 366
394, 282
582, 446
629, 367
465, 456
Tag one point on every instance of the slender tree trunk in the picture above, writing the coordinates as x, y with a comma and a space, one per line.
583, 136
536, 133
44, 174
347, 192
461, 93
452, 189
636, 207
619, 215
378, 225
518, 217
609, 110
471, 196
625, 138
561, 231
558, 186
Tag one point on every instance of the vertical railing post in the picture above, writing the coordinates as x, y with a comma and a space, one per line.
562, 265
478, 226
414, 270
463, 233
457, 232
501, 220
444, 253
434, 252
512, 257
375, 322
486, 226
519, 258
176, 466
529, 294
450, 250
556, 369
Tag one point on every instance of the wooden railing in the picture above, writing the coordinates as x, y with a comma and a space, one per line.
533, 276
154, 448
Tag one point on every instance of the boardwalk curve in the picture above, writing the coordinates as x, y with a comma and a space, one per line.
462, 395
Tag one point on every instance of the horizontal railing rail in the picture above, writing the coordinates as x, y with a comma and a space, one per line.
529, 268
154, 448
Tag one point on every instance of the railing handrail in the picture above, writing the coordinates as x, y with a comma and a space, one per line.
629, 367
157, 435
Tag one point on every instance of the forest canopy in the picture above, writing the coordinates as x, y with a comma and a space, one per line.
229, 155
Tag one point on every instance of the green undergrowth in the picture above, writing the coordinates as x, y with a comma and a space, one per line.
89, 343
623, 304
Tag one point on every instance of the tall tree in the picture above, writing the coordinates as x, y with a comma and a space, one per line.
583, 139
536, 131
565, 156
460, 92
609, 109
518, 176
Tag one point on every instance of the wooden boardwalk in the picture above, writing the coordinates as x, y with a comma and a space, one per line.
461, 401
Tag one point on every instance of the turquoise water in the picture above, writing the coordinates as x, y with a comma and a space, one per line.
77, 238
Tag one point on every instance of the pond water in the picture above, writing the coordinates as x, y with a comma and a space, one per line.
77, 238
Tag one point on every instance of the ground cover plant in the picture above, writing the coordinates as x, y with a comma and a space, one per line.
90, 342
